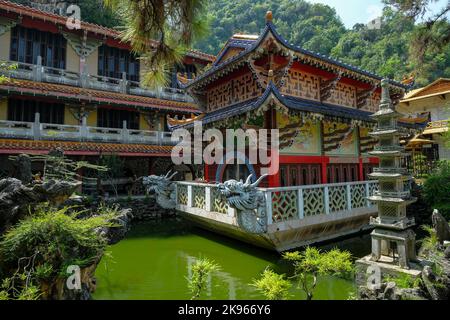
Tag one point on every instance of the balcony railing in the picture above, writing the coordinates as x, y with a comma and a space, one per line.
40, 73
48, 131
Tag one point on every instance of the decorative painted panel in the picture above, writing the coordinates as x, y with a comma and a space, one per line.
298, 136
199, 197
366, 142
302, 85
343, 95
373, 103
239, 89
339, 139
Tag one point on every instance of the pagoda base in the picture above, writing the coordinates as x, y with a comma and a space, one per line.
385, 241
387, 267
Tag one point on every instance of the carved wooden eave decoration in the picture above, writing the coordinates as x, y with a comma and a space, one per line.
81, 111
82, 45
327, 86
263, 65
363, 96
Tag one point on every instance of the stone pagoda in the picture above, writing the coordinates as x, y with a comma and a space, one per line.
392, 227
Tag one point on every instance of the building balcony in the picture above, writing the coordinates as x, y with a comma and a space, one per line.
436, 127
38, 72
82, 133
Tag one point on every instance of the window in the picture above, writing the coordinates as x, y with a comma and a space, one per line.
28, 44
113, 118
299, 174
25, 110
112, 62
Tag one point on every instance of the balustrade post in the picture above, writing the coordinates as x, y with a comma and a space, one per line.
326, 199
349, 196
83, 128
208, 199
36, 126
367, 188
190, 199
300, 204
125, 133
84, 77
124, 83
268, 196
38, 70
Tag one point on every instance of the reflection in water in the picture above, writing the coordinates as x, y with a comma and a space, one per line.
155, 261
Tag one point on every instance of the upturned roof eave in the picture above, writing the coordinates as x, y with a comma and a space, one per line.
271, 28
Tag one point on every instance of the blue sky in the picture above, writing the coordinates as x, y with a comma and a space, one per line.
362, 11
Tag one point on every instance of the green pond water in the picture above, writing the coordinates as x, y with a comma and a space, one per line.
154, 260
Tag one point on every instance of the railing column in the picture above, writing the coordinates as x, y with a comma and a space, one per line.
38, 70
124, 83
125, 133
84, 76
349, 197
300, 204
190, 199
326, 199
268, 196
367, 187
83, 128
36, 127
208, 200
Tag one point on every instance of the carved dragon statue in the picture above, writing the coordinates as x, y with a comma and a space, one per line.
249, 203
164, 189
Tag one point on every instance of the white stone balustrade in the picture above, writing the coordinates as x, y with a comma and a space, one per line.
38, 72
282, 204
47, 131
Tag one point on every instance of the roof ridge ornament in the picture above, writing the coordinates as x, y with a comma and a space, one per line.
269, 16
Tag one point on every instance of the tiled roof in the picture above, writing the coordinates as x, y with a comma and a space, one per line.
291, 103
270, 28
27, 87
91, 148
22, 10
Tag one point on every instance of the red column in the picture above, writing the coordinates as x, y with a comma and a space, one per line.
325, 161
274, 180
206, 173
361, 169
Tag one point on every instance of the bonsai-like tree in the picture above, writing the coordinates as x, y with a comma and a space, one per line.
308, 266
201, 269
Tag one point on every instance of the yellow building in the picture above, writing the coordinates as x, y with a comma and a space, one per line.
80, 90
432, 105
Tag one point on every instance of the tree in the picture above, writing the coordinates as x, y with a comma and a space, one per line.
272, 285
201, 269
433, 34
174, 24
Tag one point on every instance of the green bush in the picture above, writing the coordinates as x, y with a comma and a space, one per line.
436, 189
39, 249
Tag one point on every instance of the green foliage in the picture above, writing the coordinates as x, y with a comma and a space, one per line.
41, 247
436, 189
387, 51
404, 281
312, 263
201, 269
4, 69
273, 286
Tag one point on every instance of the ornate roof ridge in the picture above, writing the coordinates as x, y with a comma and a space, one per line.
270, 27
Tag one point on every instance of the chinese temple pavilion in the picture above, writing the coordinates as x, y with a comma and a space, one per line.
320, 105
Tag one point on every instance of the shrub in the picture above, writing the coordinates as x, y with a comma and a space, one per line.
436, 189
39, 249
201, 269
273, 286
